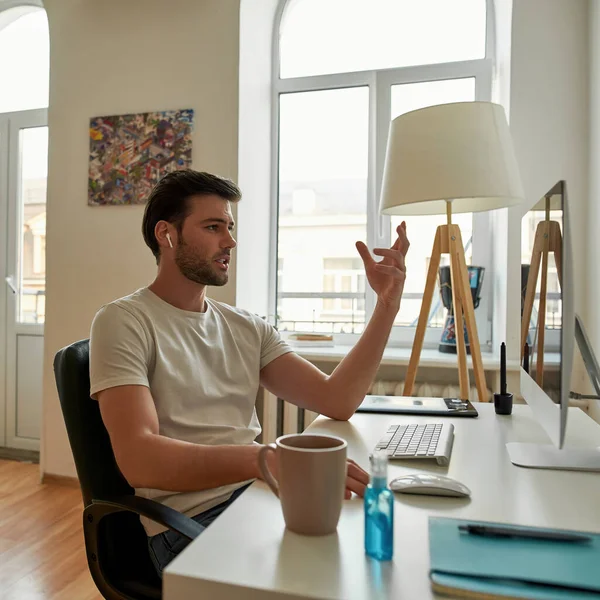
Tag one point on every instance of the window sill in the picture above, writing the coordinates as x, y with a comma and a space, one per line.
429, 357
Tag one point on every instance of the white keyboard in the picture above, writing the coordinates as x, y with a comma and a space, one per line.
421, 441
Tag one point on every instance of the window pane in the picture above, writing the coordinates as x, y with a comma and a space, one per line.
421, 230
32, 260
338, 321
412, 96
323, 162
24, 66
421, 233
339, 36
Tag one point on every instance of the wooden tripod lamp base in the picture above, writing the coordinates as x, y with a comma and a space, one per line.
548, 238
449, 241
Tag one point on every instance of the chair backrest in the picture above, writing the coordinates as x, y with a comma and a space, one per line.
99, 475
116, 544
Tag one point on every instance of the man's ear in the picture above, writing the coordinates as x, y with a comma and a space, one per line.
161, 231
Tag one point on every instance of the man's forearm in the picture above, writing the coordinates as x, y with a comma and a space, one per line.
352, 378
157, 462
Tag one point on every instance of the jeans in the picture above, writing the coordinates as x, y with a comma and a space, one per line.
164, 547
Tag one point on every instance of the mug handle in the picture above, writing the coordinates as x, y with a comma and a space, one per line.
264, 469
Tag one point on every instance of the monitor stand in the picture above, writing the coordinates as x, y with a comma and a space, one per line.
545, 456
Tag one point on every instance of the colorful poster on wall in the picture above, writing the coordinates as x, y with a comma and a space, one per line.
130, 153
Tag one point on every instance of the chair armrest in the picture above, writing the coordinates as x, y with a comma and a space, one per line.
157, 512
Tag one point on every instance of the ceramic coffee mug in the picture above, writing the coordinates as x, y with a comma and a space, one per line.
311, 479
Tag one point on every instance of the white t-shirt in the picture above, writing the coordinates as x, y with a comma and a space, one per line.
202, 369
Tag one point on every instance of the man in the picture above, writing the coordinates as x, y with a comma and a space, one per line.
176, 373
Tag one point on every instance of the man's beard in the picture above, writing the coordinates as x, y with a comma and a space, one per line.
197, 269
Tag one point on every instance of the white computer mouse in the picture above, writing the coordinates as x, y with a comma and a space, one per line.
429, 484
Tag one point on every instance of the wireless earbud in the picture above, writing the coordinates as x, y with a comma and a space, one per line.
169, 239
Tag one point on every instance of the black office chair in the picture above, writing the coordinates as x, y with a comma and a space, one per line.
115, 541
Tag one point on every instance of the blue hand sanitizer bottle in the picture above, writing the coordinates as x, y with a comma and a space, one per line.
379, 511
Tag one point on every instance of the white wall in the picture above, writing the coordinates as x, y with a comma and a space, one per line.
593, 222
549, 102
115, 57
504, 306
549, 107
255, 138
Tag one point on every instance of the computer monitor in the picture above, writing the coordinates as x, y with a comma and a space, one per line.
548, 331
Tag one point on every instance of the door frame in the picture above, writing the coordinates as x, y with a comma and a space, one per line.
4, 151
9, 267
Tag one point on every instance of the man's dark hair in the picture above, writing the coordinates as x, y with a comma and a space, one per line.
168, 201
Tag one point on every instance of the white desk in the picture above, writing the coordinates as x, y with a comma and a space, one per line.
247, 553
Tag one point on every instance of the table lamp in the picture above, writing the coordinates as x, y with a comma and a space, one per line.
442, 159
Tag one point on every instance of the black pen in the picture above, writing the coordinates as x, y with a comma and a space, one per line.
509, 532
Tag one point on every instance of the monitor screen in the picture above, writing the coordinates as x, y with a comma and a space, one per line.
541, 290
548, 329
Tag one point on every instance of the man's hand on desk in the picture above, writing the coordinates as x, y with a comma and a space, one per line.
356, 478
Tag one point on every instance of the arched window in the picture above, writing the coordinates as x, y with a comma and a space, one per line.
24, 68
24, 76
342, 70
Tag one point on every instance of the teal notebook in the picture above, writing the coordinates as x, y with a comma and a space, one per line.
470, 566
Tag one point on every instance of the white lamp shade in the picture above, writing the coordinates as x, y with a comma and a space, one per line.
461, 152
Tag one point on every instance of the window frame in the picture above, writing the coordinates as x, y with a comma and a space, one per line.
379, 83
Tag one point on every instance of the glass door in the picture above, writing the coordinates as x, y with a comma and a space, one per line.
25, 275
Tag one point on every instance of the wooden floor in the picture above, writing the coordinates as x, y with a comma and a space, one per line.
42, 555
